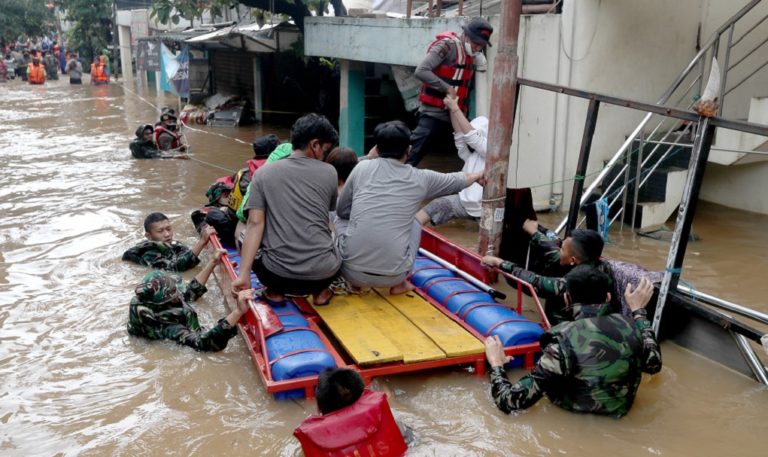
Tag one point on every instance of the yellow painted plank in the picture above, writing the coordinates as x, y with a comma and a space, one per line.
447, 334
409, 339
360, 337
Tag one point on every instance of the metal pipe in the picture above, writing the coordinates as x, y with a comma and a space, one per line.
474, 281
750, 30
685, 215
504, 91
581, 166
638, 173
658, 162
744, 57
745, 79
726, 70
624, 194
724, 304
751, 358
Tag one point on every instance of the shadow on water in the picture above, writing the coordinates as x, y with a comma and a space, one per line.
74, 382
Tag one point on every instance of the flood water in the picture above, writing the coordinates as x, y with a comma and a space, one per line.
74, 383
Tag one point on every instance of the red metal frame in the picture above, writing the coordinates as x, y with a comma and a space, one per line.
251, 330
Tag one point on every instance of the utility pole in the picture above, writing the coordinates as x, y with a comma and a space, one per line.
502, 118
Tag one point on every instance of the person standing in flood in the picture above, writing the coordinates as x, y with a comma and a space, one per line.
51, 66
75, 70
99, 72
160, 310
288, 239
591, 365
36, 72
447, 70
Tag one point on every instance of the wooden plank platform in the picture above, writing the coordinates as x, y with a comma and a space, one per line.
348, 320
449, 336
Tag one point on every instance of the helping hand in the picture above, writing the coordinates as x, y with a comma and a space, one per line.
530, 226
640, 296
494, 352
491, 261
239, 284
451, 101
206, 232
242, 300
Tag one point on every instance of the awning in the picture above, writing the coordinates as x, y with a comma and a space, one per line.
251, 38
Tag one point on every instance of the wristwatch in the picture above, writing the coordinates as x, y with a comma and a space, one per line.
641, 313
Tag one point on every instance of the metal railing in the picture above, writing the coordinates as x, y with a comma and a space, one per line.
665, 136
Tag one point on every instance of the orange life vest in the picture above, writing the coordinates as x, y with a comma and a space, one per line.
36, 74
457, 74
98, 75
365, 428
159, 130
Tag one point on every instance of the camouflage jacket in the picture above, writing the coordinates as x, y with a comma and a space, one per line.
590, 365
550, 285
178, 322
164, 256
141, 149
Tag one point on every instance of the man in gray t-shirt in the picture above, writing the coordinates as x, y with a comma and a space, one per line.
288, 222
378, 236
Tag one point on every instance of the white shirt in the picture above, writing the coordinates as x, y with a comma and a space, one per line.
476, 139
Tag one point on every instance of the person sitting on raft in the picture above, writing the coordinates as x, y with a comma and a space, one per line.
166, 137
288, 239
263, 148
160, 310
161, 251
143, 146
353, 419
217, 213
583, 246
471, 139
377, 234
590, 365
344, 161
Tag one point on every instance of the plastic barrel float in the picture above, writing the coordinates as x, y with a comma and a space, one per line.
474, 306
296, 351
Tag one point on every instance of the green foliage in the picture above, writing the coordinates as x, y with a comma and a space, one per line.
30, 17
92, 24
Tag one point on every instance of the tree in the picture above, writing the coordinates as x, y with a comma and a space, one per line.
30, 17
174, 10
92, 19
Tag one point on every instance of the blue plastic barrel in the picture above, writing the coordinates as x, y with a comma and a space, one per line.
513, 330
426, 270
310, 358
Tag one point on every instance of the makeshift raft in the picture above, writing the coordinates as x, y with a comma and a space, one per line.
442, 323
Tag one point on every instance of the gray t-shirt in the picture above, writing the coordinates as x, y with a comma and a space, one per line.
74, 69
380, 199
296, 194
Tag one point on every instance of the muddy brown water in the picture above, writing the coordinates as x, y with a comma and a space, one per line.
74, 383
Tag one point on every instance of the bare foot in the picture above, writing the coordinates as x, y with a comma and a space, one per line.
322, 298
401, 288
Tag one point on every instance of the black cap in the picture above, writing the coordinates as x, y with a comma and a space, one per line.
264, 146
479, 31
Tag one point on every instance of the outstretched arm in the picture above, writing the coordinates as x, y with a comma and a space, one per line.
637, 300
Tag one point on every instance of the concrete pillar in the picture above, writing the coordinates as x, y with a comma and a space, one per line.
258, 95
124, 39
352, 106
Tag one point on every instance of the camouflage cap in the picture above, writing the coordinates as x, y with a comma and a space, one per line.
160, 287
216, 190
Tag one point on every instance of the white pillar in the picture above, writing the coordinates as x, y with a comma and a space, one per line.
124, 38
258, 95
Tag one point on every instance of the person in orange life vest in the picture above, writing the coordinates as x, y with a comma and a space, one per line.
36, 71
447, 69
99, 72
166, 137
353, 421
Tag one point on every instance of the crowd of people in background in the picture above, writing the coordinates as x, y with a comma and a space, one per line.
39, 59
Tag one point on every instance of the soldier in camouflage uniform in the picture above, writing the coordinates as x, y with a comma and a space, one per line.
590, 365
161, 251
553, 261
161, 310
